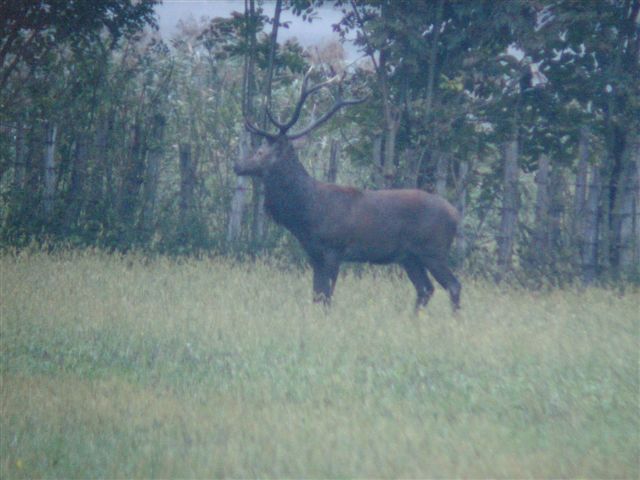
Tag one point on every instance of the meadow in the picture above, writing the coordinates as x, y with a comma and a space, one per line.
118, 366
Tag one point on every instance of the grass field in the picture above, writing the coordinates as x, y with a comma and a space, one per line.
118, 367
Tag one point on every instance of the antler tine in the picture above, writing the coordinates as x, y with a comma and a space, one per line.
272, 119
253, 129
336, 106
283, 127
304, 94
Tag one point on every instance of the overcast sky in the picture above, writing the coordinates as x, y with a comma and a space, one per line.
307, 34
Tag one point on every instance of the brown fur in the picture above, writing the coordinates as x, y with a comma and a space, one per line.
335, 224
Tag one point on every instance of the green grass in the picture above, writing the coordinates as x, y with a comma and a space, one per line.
119, 367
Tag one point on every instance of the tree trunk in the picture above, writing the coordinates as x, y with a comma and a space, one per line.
19, 163
238, 200
591, 228
557, 202
187, 189
249, 77
110, 200
33, 163
18, 198
245, 144
390, 134
541, 231
377, 160
461, 205
6, 163
75, 197
152, 176
49, 170
628, 206
636, 218
433, 56
510, 205
391, 114
580, 198
257, 225
131, 183
97, 201
273, 44
442, 166
616, 167
332, 170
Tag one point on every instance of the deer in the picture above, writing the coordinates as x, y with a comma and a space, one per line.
336, 224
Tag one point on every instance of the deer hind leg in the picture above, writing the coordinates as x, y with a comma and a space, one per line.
445, 277
417, 273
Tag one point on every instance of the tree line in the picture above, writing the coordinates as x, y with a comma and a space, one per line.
523, 114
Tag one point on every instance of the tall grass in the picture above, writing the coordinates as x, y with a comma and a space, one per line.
114, 366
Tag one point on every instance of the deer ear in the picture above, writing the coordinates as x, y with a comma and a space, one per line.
300, 142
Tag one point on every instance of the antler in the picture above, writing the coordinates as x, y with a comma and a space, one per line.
305, 92
283, 127
336, 106
258, 131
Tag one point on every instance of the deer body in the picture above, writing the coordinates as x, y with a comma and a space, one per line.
336, 224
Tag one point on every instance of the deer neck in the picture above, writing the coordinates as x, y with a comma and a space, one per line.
289, 192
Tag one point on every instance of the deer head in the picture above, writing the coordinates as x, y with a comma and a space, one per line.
276, 146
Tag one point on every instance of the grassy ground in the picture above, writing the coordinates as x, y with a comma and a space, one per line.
116, 367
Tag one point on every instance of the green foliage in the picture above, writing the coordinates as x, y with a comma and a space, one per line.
226, 38
31, 30
463, 77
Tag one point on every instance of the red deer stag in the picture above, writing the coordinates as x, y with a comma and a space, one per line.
338, 224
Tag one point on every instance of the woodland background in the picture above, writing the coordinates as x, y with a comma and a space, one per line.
524, 114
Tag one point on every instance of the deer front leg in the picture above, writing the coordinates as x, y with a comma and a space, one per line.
321, 286
325, 275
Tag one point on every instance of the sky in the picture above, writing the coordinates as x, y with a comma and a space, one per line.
308, 34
